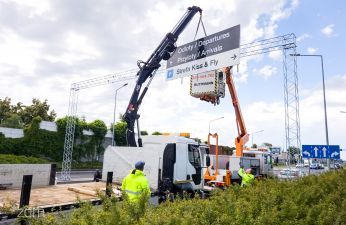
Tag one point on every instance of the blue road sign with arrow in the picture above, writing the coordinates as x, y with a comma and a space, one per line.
321, 151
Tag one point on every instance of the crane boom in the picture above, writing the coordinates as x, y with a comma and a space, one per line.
243, 136
148, 69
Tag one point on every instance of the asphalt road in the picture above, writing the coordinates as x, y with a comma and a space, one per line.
304, 170
88, 175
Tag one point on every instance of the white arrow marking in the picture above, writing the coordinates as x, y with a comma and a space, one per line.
324, 152
316, 150
306, 153
334, 154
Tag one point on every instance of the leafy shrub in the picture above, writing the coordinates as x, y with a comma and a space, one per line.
49, 144
20, 159
310, 200
82, 165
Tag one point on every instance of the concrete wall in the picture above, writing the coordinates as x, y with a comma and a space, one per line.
13, 173
50, 126
12, 132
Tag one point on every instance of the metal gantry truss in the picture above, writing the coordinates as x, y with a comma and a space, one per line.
285, 43
72, 112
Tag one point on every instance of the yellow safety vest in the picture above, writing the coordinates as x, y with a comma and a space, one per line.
247, 179
135, 184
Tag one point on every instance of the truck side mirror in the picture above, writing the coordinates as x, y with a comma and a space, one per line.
207, 160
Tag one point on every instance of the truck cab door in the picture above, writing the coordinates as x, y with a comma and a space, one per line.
168, 162
194, 157
266, 164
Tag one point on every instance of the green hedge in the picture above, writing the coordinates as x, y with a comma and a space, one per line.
20, 159
36, 143
48, 144
82, 165
310, 200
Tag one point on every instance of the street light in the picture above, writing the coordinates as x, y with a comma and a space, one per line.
115, 103
214, 120
251, 134
324, 98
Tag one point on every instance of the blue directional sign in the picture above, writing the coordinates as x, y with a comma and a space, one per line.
321, 151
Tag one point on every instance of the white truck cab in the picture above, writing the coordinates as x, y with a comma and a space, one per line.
172, 163
265, 158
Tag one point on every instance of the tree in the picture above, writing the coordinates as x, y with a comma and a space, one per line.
81, 146
13, 121
5, 108
99, 128
228, 149
120, 133
144, 132
198, 140
254, 146
37, 108
293, 152
156, 133
267, 145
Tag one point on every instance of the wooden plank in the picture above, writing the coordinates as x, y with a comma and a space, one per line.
52, 195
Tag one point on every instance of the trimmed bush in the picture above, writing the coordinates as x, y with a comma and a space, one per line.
20, 159
310, 200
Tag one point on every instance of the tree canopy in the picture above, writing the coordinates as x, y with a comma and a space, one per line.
17, 115
120, 133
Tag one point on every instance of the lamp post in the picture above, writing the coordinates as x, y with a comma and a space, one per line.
253, 134
214, 120
324, 99
115, 103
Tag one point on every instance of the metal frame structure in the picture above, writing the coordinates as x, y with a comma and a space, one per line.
285, 43
72, 112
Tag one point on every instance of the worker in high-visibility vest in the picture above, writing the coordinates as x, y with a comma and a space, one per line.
247, 177
135, 185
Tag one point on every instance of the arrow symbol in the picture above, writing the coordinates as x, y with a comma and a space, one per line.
316, 151
306, 153
234, 57
334, 154
324, 152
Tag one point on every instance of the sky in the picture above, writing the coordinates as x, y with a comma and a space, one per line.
45, 46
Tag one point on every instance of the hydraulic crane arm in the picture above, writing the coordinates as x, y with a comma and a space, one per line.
147, 69
243, 136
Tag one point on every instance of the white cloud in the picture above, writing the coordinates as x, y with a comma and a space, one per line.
328, 30
266, 71
312, 113
270, 116
47, 45
279, 15
276, 55
303, 37
311, 50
